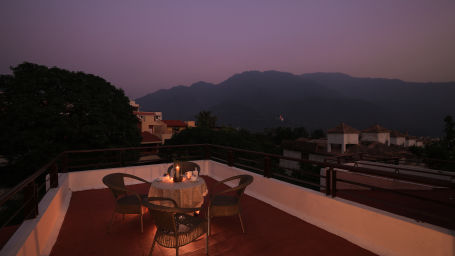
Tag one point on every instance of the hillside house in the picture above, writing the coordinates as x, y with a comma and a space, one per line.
341, 137
397, 138
376, 133
410, 141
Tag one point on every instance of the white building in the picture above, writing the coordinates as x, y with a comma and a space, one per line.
376, 133
410, 141
340, 137
397, 138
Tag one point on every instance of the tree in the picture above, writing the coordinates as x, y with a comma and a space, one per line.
317, 134
449, 130
44, 111
279, 134
206, 119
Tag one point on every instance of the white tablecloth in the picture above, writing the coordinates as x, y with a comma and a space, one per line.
187, 194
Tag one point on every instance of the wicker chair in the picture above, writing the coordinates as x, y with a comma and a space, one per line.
174, 227
126, 201
227, 202
186, 167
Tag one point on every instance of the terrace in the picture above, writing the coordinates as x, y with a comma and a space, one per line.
322, 209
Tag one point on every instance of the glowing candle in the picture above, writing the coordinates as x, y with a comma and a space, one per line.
177, 171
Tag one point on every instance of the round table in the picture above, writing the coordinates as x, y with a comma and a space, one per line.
187, 194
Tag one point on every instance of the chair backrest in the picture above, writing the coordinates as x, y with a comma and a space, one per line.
115, 182
164, 220
186, 167
244, 181
163, 216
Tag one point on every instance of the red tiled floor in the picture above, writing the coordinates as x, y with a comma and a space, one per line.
270, 231
6, 233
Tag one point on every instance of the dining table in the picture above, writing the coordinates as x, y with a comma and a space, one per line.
188, 193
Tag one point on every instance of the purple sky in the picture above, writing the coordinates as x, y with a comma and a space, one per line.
143, 46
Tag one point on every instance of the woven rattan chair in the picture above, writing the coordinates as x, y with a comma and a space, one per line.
227, 202
126, 201
186, 167
174, 226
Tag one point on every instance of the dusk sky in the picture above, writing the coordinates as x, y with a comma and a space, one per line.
143, 46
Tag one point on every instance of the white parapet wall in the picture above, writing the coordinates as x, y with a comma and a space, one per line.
375, 230
86, 180
37, 236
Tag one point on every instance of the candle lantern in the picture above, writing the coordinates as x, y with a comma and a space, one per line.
177, 174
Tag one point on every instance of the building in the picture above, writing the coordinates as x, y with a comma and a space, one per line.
397, 138
341, 137
134, 105
153, 126
174, 126
410, 141
419, 143
376, 133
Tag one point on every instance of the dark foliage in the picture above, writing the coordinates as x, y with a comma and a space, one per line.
442, 150
277, 135
227, 137
44, 111
318, 134
206, 119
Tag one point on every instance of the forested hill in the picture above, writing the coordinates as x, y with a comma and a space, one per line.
255, 100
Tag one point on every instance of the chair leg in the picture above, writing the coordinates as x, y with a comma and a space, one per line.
241, 223
153, 246
110, 223
207, 243
142, 225
208, 222
177, 251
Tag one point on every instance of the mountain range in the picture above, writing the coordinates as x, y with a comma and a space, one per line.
255, 100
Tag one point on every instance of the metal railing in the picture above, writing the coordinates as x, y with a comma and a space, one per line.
29, 192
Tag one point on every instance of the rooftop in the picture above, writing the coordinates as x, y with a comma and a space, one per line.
269, 231
343, 128
364, 209
144, 113
396, 134
174, 123
147, 137
375, 129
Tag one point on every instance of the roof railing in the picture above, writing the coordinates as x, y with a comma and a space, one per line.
319, 176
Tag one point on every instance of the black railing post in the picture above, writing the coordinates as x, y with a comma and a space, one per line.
31, 199
334, 183
328, 181
53, 176
65, 162
230, 157
207, 152
122, 157
267, 169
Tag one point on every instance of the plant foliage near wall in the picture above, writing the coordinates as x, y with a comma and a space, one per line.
44, 111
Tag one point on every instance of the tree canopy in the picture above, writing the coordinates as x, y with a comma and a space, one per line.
44, 111
206, 119
227, 137
443, 149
